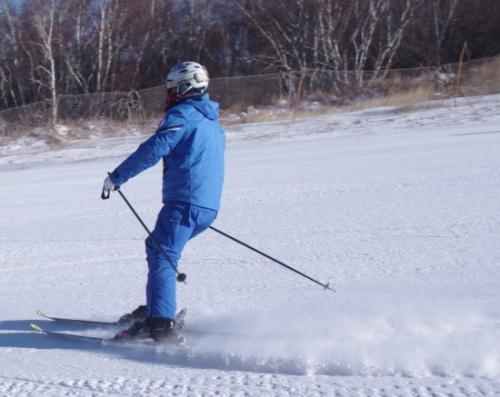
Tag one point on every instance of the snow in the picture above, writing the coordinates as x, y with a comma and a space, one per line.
397, 208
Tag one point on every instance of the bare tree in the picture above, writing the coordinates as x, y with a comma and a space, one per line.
12, 62
362, 35
289, 29
346, 37
104, 43
286, 27
442, 15
47, 18
78, 47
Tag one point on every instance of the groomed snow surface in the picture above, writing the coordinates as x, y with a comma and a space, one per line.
398, 210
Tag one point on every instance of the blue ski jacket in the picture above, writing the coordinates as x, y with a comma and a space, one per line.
191, 143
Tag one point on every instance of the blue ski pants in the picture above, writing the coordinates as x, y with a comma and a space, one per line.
177, 223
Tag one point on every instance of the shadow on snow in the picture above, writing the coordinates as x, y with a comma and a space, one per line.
18, 334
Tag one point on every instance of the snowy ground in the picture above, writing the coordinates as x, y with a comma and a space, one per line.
399, 211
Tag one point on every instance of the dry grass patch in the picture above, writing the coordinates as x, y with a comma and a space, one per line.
407, 98
481, 79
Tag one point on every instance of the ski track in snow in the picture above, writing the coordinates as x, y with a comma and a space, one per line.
399, 211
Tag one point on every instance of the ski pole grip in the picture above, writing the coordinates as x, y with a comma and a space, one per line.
105, 194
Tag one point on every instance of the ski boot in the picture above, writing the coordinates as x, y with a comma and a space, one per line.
138, 330
162, 329
138, 314
157, 328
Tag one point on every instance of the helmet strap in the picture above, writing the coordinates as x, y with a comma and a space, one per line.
172, 99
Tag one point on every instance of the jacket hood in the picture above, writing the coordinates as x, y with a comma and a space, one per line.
205, 106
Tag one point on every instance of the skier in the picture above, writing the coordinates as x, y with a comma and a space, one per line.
191, 143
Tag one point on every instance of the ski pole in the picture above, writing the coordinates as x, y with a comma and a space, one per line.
181, 277
325, 286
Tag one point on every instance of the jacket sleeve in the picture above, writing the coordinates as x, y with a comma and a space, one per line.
166, 137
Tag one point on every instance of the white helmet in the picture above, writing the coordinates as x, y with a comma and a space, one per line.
186, 77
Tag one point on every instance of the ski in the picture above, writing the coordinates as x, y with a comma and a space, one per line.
74, 337
179, 320
179, 341
179, 325
76, 321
